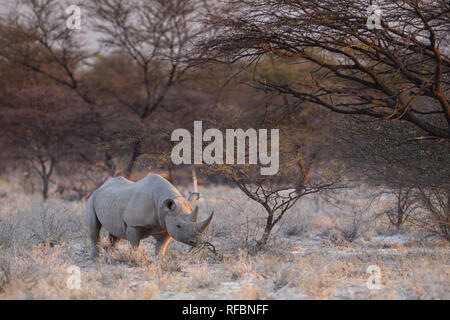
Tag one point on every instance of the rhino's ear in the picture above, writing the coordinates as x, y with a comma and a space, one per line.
193, 197
169, 205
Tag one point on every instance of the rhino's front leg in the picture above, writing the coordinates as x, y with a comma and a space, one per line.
162, 240
134, 235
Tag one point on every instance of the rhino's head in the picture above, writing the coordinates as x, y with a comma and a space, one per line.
181, 221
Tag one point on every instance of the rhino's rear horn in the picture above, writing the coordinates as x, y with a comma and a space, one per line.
193, 196
201, 226
194, 214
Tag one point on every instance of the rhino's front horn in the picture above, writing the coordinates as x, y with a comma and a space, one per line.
201, 226
194, 214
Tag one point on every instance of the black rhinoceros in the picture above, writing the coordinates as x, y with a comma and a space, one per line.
151, 206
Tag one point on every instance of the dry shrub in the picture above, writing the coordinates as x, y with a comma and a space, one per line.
202, 277
171, 265
240, 265
30, 271
47, 224
150, 291
278, 269
7, 231
436, 220
129, 256
39, 274
5, 273
296, 229
284, 277
316, 279
298, 224
250, 290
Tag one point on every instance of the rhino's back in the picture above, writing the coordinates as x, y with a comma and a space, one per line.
157, 186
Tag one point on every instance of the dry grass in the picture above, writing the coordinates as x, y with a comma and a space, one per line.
310, 256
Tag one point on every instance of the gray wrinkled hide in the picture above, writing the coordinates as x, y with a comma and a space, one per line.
135, 210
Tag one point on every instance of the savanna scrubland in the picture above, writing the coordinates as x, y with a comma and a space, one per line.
310, 256
363, 117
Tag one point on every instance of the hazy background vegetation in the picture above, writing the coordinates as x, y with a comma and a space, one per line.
363, 115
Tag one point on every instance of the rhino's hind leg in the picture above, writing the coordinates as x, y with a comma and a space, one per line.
94, 226
162, 240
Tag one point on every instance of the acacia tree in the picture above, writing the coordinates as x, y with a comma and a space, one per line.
34, 37
384, 154
304, 165
397, 72
44, 125
279, 194
155, 36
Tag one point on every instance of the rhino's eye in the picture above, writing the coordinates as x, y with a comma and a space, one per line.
178, 226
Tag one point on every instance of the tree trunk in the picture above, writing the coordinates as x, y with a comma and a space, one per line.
135, 154
398, 224
447, 216
45, 187
448, 201
269, 226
